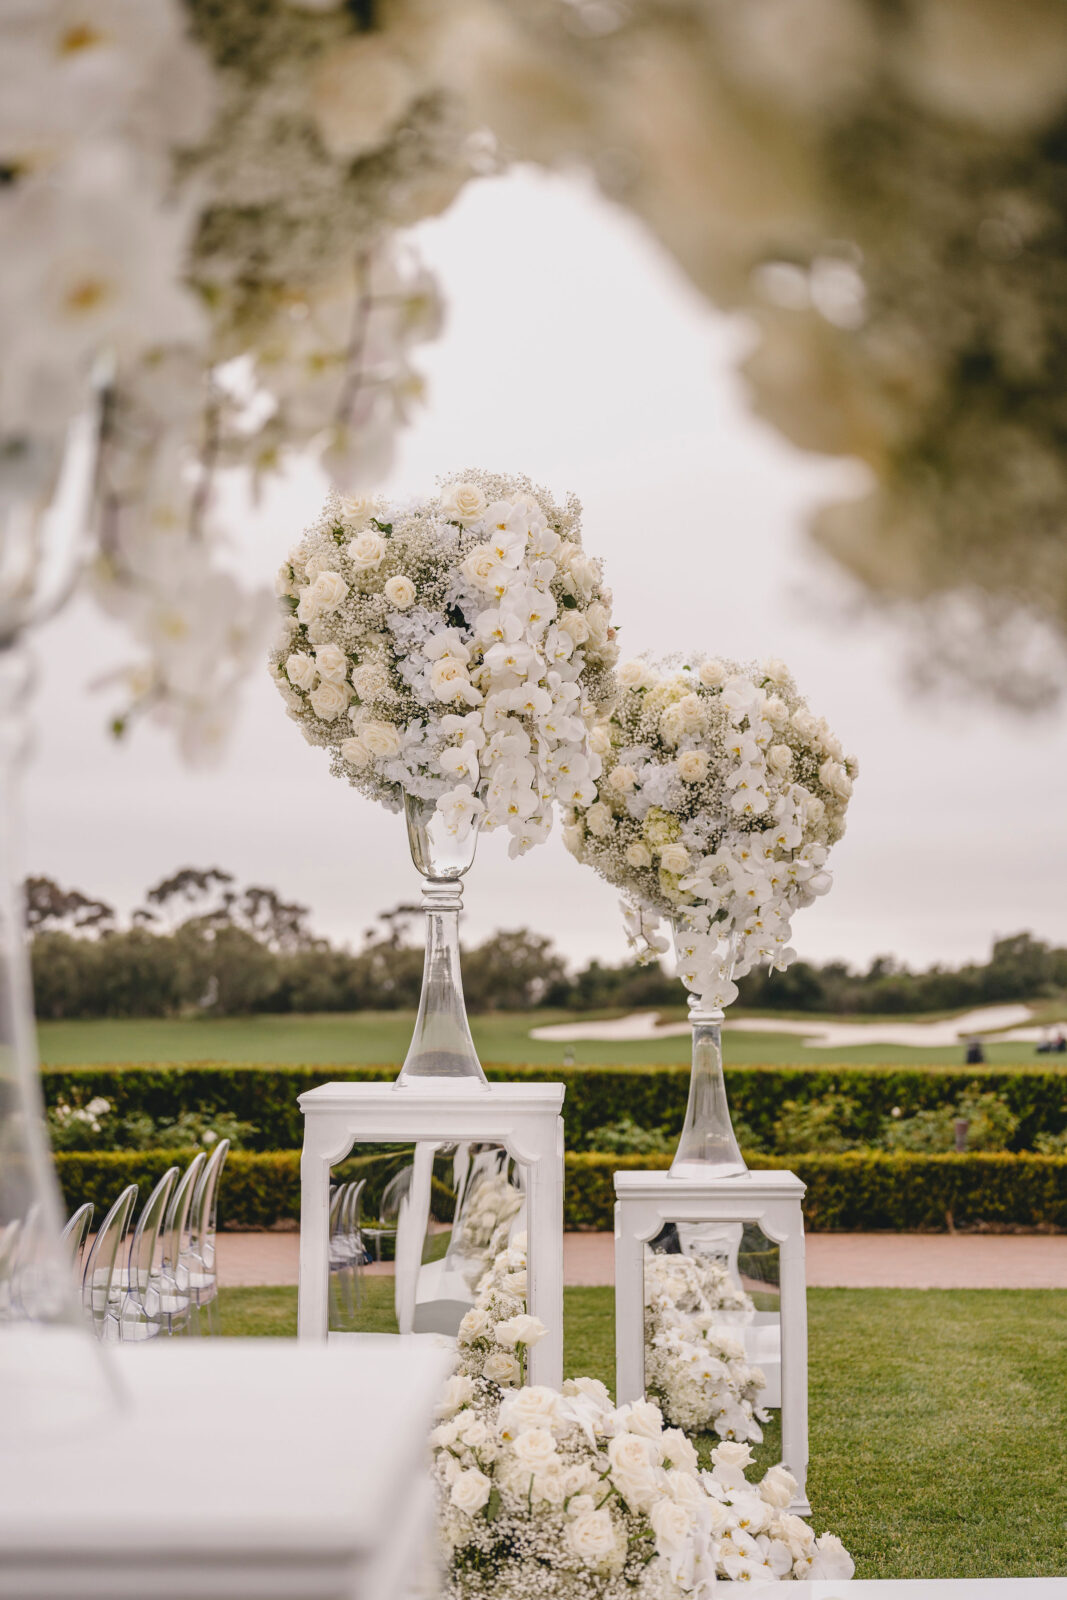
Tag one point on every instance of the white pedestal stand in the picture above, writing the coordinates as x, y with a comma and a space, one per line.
523, 1117
644, 1202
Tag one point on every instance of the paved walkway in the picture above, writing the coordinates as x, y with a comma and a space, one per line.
834, 1260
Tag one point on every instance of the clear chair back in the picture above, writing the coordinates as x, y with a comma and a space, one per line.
101, 1296
76, 1232
140, 1317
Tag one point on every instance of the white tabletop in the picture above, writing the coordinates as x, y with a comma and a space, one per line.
258, 1467
902, 1589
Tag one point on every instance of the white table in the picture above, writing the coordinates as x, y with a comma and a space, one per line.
523, 1117
901, 1589
254, 1469
644, 1203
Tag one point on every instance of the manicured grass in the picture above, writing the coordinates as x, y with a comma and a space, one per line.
370, 1038
937, 1418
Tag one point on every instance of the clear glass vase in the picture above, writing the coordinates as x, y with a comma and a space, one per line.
52, 1373
707, 1147
441, 1050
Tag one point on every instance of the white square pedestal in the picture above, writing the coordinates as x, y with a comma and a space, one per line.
644, 1203
522, 1117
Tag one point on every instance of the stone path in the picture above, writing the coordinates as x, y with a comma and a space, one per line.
834, 1260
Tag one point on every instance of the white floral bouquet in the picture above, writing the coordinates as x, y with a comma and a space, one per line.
492, 1208
694, 1364
549, 1496
456, 650
719, 797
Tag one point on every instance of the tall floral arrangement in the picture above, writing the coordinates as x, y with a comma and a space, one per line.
566, 1496
719, 797
208, 193
455, 650
879, 188
695, 1365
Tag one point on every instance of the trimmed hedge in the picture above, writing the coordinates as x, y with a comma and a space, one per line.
850, 1192
653, 1096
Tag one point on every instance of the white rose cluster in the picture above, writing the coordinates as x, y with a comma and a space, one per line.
694, 1362
477, 646
567, 1497
719, 799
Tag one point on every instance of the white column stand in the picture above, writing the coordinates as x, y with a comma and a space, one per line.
644, 1203
522, 1117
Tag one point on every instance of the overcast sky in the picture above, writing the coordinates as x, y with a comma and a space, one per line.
576, 353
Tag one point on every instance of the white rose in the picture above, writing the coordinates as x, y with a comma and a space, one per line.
674, 858
369, 680
599, 621
470, 1491
355, 752
598, 820
358, 507
634, 1455
329, 700
573, 835
592, 1537
632, 674
644, 1419
638, 855
380, 738
501, 1368
816, 809
327, 592
573, 623
778, 1487
671, 1523
779, 758
712, 674
833, 775
463, 502
473, 1432
458, 1391
283, 583
776, 670
692, 765
447, 675
535, 1448
679, 1450
521, 1329
623, 779
474, 1324
730, 1460
481, 566
301, 669
360, 88
331, 662
366, 550
804, 722
400, 592
535, 1406
776, 711
600, 740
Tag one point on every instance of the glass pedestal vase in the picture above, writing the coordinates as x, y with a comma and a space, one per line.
53, 1377
708, 1147
441, 1048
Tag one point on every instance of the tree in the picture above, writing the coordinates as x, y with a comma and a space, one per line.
50, 909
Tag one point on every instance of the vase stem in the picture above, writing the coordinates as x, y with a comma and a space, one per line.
51, 1373
707, 1147
441, 1045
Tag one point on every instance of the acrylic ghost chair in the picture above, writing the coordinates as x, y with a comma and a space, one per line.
170, 1296
389, 1211
197, 1274
75, 1234
101, 1295
352, 1234
342, 1288
140, 1316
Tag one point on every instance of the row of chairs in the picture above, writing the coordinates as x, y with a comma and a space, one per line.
348, 1253
159, 1278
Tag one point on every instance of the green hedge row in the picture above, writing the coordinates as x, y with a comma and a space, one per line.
653, 1096
853, 1192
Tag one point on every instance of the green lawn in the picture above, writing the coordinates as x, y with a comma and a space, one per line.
937, 1418
381, 1037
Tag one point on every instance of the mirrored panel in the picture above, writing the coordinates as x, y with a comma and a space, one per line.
413, 1227
712, 1331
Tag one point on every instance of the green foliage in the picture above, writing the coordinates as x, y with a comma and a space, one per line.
861, 1191
991, 1125
826, 1123
653, 1098
95, 1126
624, 1137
